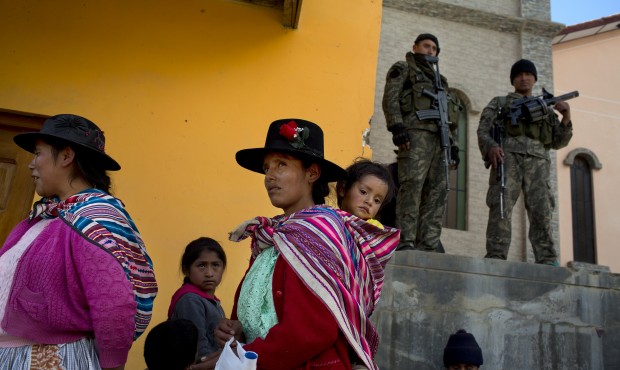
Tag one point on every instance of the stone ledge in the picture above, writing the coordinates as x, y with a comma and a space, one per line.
577, 273
523, 315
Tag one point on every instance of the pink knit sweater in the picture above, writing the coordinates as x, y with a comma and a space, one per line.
67, 288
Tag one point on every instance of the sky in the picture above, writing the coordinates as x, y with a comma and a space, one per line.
571, 12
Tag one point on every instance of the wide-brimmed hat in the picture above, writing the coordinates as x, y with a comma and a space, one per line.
300, 138
76, 131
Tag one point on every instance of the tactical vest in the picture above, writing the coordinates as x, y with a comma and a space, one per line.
541, 130
412, 99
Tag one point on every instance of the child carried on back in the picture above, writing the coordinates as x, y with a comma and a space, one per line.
367, 187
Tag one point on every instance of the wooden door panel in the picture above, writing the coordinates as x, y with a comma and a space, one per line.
16, 185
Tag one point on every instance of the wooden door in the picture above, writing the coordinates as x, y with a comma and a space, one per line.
582, 194
16, 185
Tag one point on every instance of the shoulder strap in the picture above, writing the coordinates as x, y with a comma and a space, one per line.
501, 100
419, 75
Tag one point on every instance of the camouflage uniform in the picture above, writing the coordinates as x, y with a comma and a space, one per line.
527, 168
422, 193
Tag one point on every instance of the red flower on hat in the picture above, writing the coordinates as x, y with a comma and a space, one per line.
294, 134
289, 130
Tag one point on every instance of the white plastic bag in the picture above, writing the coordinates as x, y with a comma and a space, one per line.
230, 361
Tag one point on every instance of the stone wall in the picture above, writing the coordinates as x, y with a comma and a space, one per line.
479, 41
523, 315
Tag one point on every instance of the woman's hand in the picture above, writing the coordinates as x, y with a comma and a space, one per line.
227, 329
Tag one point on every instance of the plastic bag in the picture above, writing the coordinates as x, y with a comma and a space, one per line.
230, 361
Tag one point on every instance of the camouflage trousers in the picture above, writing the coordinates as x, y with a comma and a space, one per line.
530, 174
421, 199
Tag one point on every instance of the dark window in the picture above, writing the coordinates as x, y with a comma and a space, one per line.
584, 237
454, 217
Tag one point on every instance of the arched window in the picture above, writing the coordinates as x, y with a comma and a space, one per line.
455, 214
582, 201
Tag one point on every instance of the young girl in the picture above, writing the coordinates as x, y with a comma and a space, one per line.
313, 279
367, 187
203, 264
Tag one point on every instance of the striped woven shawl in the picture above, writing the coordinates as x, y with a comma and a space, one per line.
339, 257
102, 219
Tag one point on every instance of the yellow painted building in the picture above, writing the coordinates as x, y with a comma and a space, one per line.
179, 87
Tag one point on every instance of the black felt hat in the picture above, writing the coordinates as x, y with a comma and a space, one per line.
300, 138
71, 129
462, 348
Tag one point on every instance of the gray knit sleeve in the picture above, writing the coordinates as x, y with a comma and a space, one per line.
205, 315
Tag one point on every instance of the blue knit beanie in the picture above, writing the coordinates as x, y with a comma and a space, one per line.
523, 65
462, 348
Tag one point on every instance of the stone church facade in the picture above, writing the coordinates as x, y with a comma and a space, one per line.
479, 41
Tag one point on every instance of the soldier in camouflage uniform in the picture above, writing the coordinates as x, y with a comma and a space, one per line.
525, 155
422, 194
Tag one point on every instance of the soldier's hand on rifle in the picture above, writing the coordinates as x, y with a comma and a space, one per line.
564, 110
454, 157
495, 156
400, 137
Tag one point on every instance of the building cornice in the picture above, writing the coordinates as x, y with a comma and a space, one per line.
476, 17
291, 9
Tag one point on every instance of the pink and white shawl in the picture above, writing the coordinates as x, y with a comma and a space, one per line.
340, 258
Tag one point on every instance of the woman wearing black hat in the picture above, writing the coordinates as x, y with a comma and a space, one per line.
79, 285
314, 279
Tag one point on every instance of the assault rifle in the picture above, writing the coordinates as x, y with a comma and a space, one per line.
535, 108
439, 112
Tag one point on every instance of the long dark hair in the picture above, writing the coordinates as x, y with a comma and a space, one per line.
361, 168
195, 248
320, 188
87, 167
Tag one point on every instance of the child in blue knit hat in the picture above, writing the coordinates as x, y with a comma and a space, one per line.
462, 352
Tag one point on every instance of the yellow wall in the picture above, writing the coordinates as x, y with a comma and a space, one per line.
589, 64
179, 87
